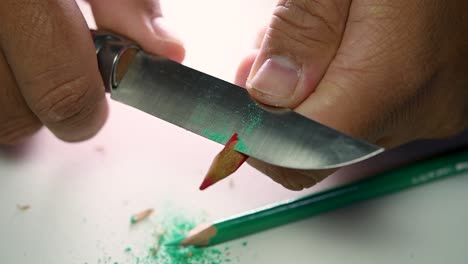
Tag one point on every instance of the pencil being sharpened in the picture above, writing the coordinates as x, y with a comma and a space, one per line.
224, 164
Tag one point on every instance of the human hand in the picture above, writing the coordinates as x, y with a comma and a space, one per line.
387, 72
48, 66
141, 21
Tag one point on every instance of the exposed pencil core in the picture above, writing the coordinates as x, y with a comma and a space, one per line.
140, 216
224, 164
199, 236
207, 182
175, 242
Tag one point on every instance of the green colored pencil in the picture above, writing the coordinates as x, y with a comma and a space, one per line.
286, 212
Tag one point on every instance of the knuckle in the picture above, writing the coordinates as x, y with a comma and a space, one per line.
313, 22
68, 100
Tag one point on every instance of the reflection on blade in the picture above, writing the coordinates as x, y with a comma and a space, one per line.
216, 109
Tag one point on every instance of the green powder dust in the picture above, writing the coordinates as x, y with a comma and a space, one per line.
203, 119
169, 227
253, 118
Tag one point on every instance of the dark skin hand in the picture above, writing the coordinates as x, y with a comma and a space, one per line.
386, 71
48, 68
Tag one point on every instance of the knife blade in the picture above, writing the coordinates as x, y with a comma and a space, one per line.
216, 109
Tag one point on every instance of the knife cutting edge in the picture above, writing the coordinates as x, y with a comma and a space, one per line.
216, 109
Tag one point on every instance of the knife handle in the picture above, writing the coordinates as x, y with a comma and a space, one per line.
114, 54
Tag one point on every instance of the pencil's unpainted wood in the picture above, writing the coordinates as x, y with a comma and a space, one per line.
224, 164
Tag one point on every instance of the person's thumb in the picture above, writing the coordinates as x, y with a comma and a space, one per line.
299, 44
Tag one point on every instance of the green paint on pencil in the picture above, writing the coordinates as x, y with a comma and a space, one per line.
409, 176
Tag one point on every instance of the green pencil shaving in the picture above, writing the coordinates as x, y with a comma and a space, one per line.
141, 216
293, 210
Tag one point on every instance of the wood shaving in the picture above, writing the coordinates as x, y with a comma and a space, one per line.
141, 216
23, 207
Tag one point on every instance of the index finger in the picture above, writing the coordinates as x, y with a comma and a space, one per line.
50, 51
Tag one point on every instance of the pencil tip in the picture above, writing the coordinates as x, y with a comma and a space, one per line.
233, 139
207, 182
173, 243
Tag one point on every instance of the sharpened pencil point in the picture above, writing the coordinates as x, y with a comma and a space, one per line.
224, 164
174, 243
233, 139
206, 183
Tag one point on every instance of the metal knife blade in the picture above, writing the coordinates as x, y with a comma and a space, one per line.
216, 109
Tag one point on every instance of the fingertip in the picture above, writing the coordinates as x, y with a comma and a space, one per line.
142, 24
176, 52
244, 68
293, 186
273, 172
166, 42
155, 37
172, 50
85, 124
294, 180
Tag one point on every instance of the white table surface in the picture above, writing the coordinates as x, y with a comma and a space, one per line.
82, 195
